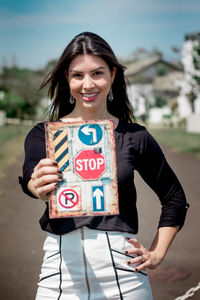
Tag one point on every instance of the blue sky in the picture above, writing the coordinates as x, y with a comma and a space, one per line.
36, 31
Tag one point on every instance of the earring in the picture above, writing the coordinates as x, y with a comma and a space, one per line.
71, 99
110, 95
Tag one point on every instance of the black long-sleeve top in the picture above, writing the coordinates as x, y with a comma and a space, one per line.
137, 150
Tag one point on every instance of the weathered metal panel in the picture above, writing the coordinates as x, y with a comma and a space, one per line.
85, 152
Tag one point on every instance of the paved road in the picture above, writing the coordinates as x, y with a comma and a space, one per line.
22, 239
181, 268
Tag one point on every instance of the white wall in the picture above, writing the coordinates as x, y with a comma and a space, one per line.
193, 123
2, 117
156, 114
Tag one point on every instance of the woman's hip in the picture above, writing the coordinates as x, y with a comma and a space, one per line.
90, 264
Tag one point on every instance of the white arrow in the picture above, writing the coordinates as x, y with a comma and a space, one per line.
87, 130
98, 194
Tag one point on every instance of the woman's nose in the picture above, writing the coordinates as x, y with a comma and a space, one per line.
88, 82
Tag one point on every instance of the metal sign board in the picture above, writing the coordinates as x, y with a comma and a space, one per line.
85, 152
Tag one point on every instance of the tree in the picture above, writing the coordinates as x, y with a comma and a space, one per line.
21, 91
13, 105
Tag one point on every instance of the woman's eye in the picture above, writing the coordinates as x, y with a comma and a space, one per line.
76, 75
98, 73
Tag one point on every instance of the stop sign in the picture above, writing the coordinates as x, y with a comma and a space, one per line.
89, 164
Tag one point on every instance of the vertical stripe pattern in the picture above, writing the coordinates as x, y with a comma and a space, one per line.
114, 267
60, 269
61, 154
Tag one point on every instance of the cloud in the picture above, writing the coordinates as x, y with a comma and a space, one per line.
93, 12
37, 20
156, 5
53, 14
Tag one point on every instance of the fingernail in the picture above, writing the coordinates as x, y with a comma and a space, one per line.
60, 176
56, 184
128, 238
136, 270
59, 171
129, 262
55, 163
125, 252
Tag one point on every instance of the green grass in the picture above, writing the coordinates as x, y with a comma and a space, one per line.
178, 139
12, 143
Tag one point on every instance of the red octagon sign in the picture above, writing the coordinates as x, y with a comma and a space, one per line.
89, 164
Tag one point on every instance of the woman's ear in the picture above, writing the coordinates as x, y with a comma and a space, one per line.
66, 76
113, 73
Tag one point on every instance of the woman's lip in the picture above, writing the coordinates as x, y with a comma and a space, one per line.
89, 96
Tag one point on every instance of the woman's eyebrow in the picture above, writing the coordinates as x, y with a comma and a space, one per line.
75, 71
97, 69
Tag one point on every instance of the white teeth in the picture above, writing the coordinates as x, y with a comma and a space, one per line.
89, 95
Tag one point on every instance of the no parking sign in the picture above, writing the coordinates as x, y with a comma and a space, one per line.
85, 152
68, 198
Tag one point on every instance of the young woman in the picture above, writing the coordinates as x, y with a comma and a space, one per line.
99, 257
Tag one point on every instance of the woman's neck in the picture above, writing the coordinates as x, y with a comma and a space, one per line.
89, 114
75, 115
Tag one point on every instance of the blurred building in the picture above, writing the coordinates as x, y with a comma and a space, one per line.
153, 89
189, 96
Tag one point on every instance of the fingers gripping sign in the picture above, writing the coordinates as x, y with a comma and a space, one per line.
45, 178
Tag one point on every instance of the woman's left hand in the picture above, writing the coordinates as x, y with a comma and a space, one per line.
147, 259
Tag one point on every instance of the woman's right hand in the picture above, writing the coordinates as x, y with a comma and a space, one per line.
45, 178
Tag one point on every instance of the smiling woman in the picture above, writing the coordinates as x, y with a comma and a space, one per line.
98, 257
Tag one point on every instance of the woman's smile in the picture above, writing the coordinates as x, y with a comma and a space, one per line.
89, 96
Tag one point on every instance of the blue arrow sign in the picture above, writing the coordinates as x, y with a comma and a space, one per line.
90, 134
98, 198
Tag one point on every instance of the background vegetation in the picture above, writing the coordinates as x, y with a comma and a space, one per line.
178, 139
11, 141
21, 97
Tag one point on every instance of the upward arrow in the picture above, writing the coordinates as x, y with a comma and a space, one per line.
98, 194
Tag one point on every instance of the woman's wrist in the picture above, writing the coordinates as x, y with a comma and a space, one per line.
158, 256
162, 241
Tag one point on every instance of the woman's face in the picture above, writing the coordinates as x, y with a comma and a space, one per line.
90, 80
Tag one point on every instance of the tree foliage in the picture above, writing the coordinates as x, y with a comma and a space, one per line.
21, 92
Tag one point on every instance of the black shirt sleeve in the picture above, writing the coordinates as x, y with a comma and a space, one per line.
34, 147
156, 172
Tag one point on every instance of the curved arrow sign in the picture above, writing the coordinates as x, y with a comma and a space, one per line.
90, 134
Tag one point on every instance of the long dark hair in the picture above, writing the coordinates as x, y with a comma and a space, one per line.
59, 92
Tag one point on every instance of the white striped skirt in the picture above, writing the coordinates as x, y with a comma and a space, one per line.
89, 264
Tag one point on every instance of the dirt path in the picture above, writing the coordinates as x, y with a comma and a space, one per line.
22, 239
